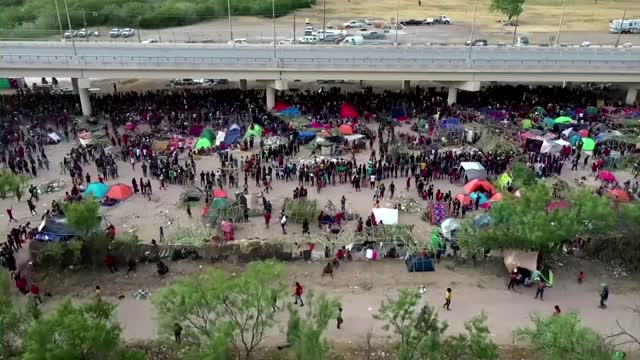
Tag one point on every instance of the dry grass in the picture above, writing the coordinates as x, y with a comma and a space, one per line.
538, 16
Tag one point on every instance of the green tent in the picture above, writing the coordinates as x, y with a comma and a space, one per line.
549, 122
545, 275
209, 135
592, 110
436, 239
527, 123
563, 120
254, 130
504, 181
220, 203
203, 143
588, 144
540, 111
5, 83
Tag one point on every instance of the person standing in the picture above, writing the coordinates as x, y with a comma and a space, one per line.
447, 299
540, 290
32, 207
297, 294
161, 234
556, 310
267, 218
177, 332
189, 211
339, 319
283, 223
514, 278
604, 296
392, 189
34, 291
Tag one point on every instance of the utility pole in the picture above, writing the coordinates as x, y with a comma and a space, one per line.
473, 29
515, 30
294, 28
59, 19
84, 17
229, 12
73, 40
273, 14
564, 4
324, 18
624, 15
397, 21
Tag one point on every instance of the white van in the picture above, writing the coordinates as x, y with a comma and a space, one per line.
310, 39
352, 40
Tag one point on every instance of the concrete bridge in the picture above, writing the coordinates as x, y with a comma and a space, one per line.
460, 67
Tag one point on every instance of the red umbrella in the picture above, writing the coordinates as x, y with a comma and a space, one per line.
619, 195
120, 192
219, 193
607, 176
583, 133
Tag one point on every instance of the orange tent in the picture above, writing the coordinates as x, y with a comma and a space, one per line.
496, 197
464, 199
346, 129
479, 185
619, 195
120, 192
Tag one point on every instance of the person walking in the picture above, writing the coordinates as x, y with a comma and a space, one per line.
514, 279
339, 319
267, 218
10, 214
161, 234
283, 223
34, 291
604, 296
189, 211
177, 333
540, 290
32, 207
447, 299
297, 294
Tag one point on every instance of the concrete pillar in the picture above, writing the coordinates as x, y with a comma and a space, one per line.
271, 97
406, 85
452, 98
74, 85
632, 95
242, 84
85, 101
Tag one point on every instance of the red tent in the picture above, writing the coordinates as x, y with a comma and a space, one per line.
280, 106
120, 192
479, 185
496, 197
464, 199
346, 129
619, 195
219, 193
348, 112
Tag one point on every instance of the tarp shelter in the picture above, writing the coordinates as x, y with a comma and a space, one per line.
583, 133
254, 131
306, 136
203, 143
220, 203
549, 122
496, 197
450, 226
386, 215
481, 221
348, 112
96, 189
591, 110
464, 199
588, 144
473, 170
85, 138
120, 191
575, 139
50, 230
420, 264
478, 194
208, 134
546, 275
220, 137
354, 137
346, 129
280, 106
436, 239
291, 112
520, 258
599, 128
55, 137
232, 135
563, 120
551, 146
504, 181
450, 123
479, 185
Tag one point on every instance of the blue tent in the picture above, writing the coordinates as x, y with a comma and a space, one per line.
575, 139
96, 189
233, 135
399, 112
482, 221
450, 123
474, 195
306, 136
291, 111
52, 230
420, 264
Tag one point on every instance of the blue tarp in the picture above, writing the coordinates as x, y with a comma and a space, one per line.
51, 230
291, 111
306, 136
399, 112
420, 264
233, 135
474, 195
450, 123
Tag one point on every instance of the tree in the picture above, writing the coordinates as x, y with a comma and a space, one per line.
78, 332
218, 311
83, 216
422, 334
11, 183
522, 175
564, 337
509, 8
14, 320
305, 332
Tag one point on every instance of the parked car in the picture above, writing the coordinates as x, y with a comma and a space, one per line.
68, 34
150, 41
369, 21
309, 30
374, 35
83, 33
354, 24
478, 42
331, 37
585, 44
115, 32
352, 40
522, 41
127, 32
237, 42
308, 39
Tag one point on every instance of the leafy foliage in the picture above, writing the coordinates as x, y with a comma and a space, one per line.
305, 332
522, 175
83, 216
217, 311
422, 335
564, 337
509, 8
11, 183
14, 320
77, 332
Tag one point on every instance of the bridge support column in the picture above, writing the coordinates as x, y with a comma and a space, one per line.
74, 85
406, 85
242, 84
271, 97
452, 98
632, 95
85, 100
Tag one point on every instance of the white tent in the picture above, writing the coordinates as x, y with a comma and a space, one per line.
386, 215
473, 170
354, 137
550, 146
521, 258
449, 226
55, 137
220, 137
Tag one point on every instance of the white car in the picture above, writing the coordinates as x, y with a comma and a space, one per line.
127, 32
84, 33
237, 42
354, 24
369, 21
150, 41
115, 32
309, 39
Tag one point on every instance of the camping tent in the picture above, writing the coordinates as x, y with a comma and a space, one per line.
450, 226
386, 215
348, 112
546, 275
588, 144
473, 170
527, 124
51, 230
306, 136
551, 146
220, 203
450, 124
209, 134
420, 263
280, 106
254, 130
220, 137
504, 181
203, 143
521, 258
479, 185
120, 191
346, 129
97, 190
233, 135
563, 120
478, 194
464, 199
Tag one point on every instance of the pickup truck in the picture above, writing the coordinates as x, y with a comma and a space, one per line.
443, 19
354, 24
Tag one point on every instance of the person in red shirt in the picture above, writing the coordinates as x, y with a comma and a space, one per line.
267, 218
21, 284
110, 261
298, 294
35, 292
